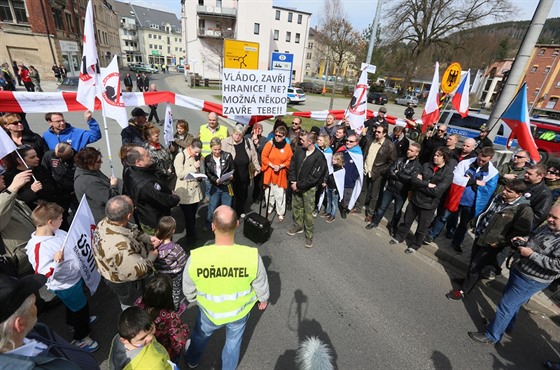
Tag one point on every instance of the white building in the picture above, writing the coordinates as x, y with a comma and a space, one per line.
208, 22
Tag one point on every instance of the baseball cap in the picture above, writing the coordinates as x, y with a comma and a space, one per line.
383, 110
138, 112
483, 128
14, 291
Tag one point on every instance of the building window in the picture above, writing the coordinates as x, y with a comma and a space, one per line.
290, 16
297, 38
57, 15
69, 22
257, 28
151, 46
542, 51
558, 83
276, 34
299, 18
533, 69
555, 53
277, 15
546, 70
310, 45
537, 91
309, 56
149, 35
160, 47
288, 36
13, 11
159, 37
169, 50
551, 103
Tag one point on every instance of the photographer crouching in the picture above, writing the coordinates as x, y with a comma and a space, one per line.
538, 266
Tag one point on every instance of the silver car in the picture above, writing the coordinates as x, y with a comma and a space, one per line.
404, 100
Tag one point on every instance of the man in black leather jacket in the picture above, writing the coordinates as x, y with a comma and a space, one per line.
540, 195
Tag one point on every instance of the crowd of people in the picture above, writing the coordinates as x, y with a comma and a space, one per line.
325, 172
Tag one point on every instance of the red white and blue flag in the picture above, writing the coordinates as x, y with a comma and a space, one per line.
460, 100
430, 114
89, 69
516, 116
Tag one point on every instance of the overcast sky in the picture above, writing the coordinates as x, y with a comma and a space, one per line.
359, 12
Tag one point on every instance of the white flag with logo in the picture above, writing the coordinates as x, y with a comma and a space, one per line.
89, 69
6, 144
110, 93
357, 110
168, 127
80, 241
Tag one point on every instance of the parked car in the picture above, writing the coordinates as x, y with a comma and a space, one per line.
181, 69
132, 66
547, 138
295, 95
69, 84
377, 98
311, 87
144, 68
405, 99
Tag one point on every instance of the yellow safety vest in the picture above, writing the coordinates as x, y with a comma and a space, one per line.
206, 135
223, 276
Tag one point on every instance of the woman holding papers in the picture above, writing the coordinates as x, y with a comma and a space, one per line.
247, 165
219, 169
187, 168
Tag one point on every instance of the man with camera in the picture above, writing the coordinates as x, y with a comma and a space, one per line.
538, 266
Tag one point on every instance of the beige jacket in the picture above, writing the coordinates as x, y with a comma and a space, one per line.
228, 146
16, 227
188, 190
121, 253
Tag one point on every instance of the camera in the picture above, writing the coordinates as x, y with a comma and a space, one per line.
518, 243
197, 157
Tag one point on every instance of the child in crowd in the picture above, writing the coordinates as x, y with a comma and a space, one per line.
47, 256
135, 347
332, 192
157, 300
171, 260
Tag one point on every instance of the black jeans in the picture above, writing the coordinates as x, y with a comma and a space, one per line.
240, 192
79, 320
153, 114
128, 291
425, 217
189, 212
480, 257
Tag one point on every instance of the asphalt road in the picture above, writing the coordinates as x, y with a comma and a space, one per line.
375, 306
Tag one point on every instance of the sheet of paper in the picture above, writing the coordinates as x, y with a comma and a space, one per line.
195, 176
226, 176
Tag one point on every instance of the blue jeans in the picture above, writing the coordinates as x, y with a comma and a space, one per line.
439, 223
388, 197
518, 290
332, 201
202, 332
219, 195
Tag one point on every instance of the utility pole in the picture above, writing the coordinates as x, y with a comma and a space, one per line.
519, 65
374, 31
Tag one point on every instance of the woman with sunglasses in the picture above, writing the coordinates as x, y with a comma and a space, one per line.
42, 187
276, 157
22, 135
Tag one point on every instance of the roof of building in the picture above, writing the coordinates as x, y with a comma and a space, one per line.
145, 17
291, 10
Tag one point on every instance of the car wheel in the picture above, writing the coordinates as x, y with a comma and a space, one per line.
544, 156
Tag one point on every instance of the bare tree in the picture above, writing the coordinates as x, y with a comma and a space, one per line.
422, 24
337, 38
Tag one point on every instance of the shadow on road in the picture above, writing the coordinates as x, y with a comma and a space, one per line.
305, 328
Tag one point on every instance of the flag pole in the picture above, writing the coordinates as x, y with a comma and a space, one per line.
106, 129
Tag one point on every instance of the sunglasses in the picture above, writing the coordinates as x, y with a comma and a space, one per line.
350, 141
278, 135
295, 123
16, 123
440, 130
519, 156
552, 172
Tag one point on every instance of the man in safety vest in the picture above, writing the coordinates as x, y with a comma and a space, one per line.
226, 280
211, 130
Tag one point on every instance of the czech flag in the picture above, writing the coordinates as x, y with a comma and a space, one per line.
516, 116
460, 100
431, 109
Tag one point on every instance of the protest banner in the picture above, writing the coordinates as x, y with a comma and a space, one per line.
254, 92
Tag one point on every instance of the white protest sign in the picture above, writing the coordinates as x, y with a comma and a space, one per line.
252, 92
370, 68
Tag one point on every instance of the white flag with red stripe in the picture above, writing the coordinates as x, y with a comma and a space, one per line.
431, 109
6, 144
80, 241
110, 93
89, 69
357, 110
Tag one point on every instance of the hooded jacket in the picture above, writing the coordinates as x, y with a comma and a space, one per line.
74, 136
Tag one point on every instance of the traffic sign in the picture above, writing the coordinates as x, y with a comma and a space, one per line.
240, 54
451, 78
284, 62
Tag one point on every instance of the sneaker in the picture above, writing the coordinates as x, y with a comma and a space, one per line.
457, 248
355, 210
343, 213
371, 225
488, 273
191, 366
324, 214
428, 240
329, 219
455, 295
87, 344
182, 308
394, 241
295, 230
308, 243
409, 250
280, 218
315, 213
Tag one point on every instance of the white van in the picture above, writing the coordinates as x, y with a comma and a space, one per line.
470, 127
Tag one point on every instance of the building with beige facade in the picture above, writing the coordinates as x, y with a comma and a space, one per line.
107, 36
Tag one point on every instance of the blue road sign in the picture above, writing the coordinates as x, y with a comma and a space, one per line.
282, 61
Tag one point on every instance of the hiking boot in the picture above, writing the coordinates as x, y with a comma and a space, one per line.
455, 295
295, 229
87, 344
308, 243
329, 219
428, 240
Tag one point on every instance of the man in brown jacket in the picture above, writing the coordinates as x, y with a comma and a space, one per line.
379, 154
